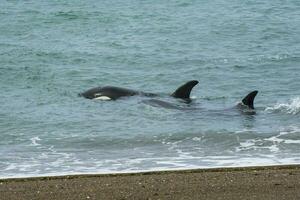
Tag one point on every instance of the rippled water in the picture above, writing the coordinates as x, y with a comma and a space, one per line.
52, 50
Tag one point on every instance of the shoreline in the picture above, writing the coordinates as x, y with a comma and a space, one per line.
149, 172
126, 173
261, 182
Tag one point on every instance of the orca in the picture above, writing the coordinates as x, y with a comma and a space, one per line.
246, 105
114, 93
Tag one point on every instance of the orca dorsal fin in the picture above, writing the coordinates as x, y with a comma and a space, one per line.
249, 99
184, 91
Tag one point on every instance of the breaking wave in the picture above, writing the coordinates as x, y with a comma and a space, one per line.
291, 107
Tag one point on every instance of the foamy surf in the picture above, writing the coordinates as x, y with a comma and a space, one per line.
291, 107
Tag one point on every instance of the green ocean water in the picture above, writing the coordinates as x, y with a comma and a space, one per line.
52, 50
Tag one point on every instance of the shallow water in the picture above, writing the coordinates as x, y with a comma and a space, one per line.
52, 50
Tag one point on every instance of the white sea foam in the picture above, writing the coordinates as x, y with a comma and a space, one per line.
32, 168
34, 141
198, 139
291, 107
277, 140
280, 137
273, 143
292, 141
274, 148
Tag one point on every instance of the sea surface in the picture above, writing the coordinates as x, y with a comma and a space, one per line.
52, 50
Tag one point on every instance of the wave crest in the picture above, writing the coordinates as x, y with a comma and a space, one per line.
292, 107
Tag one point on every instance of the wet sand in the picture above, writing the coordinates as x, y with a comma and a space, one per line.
276, 182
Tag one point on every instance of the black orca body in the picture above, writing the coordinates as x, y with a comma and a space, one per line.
113, 93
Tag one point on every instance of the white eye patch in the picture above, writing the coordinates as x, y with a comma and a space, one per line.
97, 95
104, 98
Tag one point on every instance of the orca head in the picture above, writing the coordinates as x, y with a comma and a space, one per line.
108, 93
90, 94
184, 90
